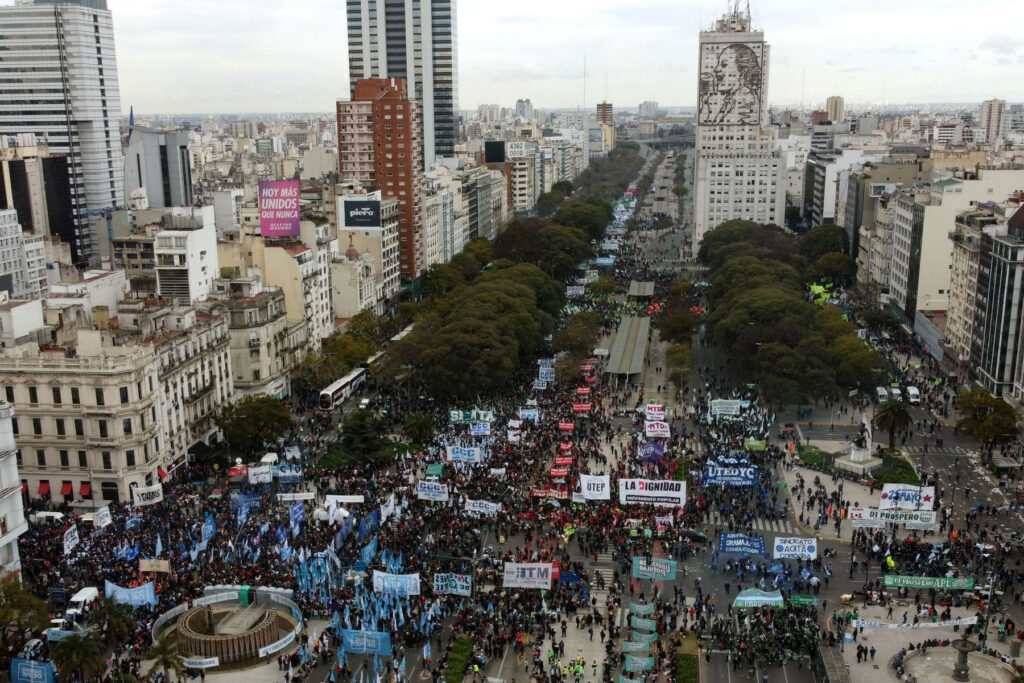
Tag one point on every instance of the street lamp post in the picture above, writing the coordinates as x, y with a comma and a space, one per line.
988, 608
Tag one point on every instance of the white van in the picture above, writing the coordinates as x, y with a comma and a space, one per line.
80, 600
913, 396
44, 517
896, 393
881, 394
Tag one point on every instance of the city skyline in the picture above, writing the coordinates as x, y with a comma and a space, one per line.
189, 57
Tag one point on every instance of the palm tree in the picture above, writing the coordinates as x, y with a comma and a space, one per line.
114, 621
419, 427
893, 417
80, 655
166, 657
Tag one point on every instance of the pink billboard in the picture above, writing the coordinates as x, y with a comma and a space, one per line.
279, 208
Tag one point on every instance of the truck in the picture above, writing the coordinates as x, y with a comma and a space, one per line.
79, 601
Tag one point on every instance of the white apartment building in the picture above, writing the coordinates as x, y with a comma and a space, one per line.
12, 512
186, 260
994, 120
67, 48
369, 223
353, 283
265, 346
922, 252
438, 223
739, 173
22, 259
322, 240
226, 206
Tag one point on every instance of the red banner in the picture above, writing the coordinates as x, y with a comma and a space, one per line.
581, 407
566, 426
583, 391
559, 472
563, 460
590, 379
565, 445
591, 361
586, 367
557, 494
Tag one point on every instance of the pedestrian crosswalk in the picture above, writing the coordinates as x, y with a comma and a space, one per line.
778, 526
939, 450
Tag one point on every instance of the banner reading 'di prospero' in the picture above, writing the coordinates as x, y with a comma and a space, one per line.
527, 575
431, 490
667, 493
455, 584
907, 497
794, 547
396, 584
148, 495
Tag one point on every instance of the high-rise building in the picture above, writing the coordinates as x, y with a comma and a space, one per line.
835, 107
379, 146
36, 184
992, 119
67, 47
648, 110
414, 40
739, 172
605, 113
524, 109
159, 163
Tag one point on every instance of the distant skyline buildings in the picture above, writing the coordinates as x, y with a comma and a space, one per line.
172, 61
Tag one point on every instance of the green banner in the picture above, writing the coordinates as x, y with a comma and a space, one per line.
803, 599
955, 583
781, 485
638, 663
643, 637
435, 469
646, 624
630, 646
640, 610
658, 569
756, 444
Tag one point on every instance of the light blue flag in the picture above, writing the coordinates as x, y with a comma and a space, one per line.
426, 649
159, 545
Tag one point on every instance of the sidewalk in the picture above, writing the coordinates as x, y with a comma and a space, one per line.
930, 667
857, 494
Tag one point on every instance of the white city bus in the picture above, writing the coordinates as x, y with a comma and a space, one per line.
335, 394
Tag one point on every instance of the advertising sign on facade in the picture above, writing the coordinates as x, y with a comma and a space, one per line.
362, 213
515, 149
279, 208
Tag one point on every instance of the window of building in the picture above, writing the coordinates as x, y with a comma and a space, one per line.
129, 457
124, 395
127, 424
75, 398
37, 426
41, 458
56, 396
79, 427
60, 426
14, 426
33, 395
9, 392
83, 459
106, 460
99, 396
108, 490
103, 429
65, 461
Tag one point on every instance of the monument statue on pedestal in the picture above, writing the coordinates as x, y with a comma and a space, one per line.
860, 447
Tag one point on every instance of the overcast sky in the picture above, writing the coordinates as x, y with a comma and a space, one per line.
184, 56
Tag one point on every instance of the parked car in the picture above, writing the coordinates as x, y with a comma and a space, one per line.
913, 396
881, 394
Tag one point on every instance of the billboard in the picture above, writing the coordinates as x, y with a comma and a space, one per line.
515, 149
494, 151
279, 208
362, 213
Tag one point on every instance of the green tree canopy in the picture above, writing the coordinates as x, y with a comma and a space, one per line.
987, 418
821, 240
892, 416
362, 432
419, 427
249, 423
79, 655
835, 266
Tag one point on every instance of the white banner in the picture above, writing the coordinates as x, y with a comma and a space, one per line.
654, 412
963, 621
498, 472
906, 497
431, 490
667, 493
657, 430
795, 547
513, 436
471, 454
483, 507
201, 662
148, 495
596, 486
725, 406
480, 429
303, 495
261, 475
333, 497
70, 538
515, 424
527, 575
102, 517
387, 509
870, 517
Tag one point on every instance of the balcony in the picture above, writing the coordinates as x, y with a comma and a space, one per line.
198, 394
